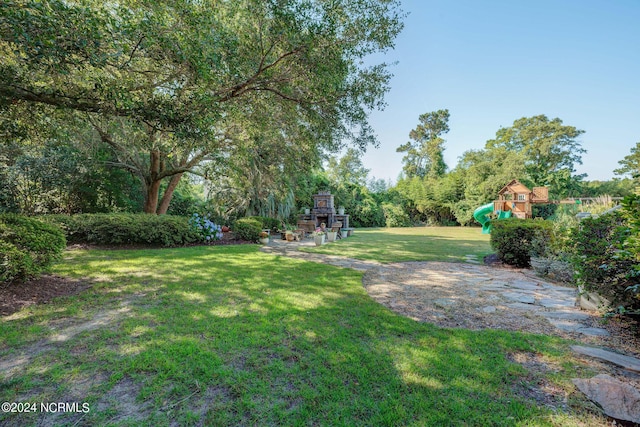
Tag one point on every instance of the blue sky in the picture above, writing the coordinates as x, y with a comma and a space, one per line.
494, 61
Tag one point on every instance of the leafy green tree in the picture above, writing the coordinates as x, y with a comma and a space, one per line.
347, 169
44, 170
379, 186
171, 77
630, 164
425, 152
486, 171
549, 149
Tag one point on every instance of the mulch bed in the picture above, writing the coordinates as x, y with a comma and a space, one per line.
14, 296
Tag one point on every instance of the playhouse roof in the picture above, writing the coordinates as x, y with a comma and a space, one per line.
514, 186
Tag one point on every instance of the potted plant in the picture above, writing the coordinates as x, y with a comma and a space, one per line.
289, 234
264, 237
307, 211
318, 237
331, 235
341, 210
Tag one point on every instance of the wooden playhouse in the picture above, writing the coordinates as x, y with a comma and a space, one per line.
516, 198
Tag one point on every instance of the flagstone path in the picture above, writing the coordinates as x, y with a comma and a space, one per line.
474, 296
467, 295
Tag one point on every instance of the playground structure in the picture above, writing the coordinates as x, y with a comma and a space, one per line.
514, 199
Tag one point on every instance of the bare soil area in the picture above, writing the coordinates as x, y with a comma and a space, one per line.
41, 290
15, 296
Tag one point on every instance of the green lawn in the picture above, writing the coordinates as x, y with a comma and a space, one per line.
411, 244
232, 336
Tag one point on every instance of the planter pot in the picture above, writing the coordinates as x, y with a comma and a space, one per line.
290, 237
340, 211
318, 240
331, 236
264, 240
307, 211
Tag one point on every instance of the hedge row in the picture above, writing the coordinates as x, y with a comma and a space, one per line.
28, 247
123, 228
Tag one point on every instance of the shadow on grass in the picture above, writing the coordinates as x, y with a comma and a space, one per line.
237, 337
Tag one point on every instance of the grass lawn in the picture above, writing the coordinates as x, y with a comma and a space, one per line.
232, 336
411, 244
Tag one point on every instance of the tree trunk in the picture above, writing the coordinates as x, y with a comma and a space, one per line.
151, 198
152, 184
168, 194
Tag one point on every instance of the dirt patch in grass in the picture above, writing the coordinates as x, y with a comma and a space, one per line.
534, 386
15, 296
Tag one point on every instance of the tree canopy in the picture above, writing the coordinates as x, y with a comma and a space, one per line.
424, 153
180, 74
550, 151
630, 164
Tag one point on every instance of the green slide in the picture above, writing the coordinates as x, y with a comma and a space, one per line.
482, 216
504, 214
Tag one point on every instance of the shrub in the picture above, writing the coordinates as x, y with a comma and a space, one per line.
205, 229
395, 216
247, 229
366, 213
123, 228
600, 263
554, 267
28, 247
516, 240
545, 211
272, 224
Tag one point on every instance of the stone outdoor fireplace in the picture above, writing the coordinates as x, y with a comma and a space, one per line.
323, 210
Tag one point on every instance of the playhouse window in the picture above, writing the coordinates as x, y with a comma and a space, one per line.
522, 197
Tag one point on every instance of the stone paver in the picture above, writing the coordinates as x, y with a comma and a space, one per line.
593, 332
566, 315
520, 297
627, 362
557, 302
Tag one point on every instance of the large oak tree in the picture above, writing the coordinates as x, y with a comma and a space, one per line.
176, 79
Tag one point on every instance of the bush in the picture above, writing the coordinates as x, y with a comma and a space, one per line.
554, 267
395, 216
122, 228
206, 230
516, 240
600, 263
247, 229
272, 224
28, 247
